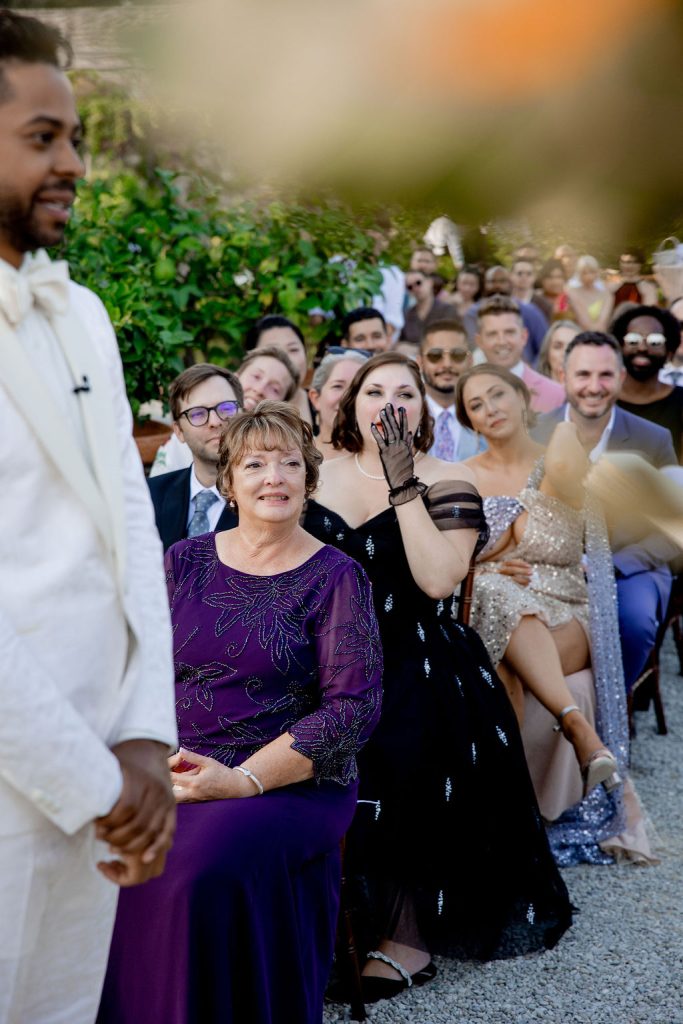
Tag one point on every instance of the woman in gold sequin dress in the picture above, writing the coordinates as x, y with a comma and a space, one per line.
532, 602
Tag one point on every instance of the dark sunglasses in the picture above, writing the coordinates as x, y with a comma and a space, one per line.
414, 284
456, 355
652, 341
198, 415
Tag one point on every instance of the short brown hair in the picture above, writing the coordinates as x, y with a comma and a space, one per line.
484, 369
197, 374
452, 323
274, 353
270, 425
497, 305
345, 432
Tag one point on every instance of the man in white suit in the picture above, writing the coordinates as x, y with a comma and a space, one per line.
85, 654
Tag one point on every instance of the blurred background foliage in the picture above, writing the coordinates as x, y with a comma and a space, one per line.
521, 121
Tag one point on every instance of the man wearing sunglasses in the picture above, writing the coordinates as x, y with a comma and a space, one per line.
444, 355
187, 502
648, 337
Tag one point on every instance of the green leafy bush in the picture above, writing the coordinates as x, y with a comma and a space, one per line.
183, 278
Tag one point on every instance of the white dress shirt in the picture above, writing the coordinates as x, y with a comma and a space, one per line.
214, 511
601, 446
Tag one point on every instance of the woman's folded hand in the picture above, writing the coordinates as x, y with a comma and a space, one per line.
518, 569
205, 779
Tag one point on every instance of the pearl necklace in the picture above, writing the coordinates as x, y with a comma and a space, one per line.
360, 469
371, 476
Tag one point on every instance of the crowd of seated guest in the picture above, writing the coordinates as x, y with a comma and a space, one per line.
597, 386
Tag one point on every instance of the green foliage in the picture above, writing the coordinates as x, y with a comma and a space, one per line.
183, 278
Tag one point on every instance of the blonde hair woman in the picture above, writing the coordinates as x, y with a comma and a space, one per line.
590, 302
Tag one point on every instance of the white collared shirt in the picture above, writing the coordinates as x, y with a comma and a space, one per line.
601, 446
454, 427
214, 511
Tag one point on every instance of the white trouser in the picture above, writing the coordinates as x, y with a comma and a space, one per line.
56, 919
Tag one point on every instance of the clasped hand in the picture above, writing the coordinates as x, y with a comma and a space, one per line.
206, 779
139, 828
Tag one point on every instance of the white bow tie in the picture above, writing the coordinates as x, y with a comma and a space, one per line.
39, 281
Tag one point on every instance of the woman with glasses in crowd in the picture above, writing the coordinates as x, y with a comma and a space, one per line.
444, 781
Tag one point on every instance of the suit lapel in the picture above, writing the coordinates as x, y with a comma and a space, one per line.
227, 520
35, 403
620, 432
174, 510
100, 423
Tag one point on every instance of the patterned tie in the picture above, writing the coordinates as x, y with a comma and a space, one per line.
199, 523
444, 446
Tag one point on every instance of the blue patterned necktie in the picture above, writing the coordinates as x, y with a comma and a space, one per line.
203, 500
444, 446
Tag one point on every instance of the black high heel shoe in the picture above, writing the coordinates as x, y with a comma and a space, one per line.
375, 988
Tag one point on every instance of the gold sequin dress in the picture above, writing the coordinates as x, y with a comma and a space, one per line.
553, 544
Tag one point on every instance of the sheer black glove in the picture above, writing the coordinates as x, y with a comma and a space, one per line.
396, 455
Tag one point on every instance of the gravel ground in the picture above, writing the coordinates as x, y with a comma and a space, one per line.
622, 961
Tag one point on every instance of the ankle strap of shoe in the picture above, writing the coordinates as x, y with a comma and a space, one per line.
377, 955
562, 715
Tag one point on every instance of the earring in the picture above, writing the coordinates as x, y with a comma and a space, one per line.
232, 503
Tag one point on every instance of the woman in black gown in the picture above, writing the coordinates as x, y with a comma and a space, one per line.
447, 847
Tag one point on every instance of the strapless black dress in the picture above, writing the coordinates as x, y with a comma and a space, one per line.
447, 850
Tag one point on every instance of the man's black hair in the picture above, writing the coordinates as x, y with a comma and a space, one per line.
30, 41
356, 315
265, 324
597, 339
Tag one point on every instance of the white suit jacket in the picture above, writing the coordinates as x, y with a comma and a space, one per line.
85, 643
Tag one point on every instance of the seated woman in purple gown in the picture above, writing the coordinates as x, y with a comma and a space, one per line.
278, 666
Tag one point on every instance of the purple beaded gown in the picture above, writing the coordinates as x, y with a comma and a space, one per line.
240, 927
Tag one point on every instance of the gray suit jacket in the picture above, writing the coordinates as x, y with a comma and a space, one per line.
629, 434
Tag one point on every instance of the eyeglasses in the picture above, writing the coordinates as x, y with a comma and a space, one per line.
456, 355
652, 341
414, 284
198, 415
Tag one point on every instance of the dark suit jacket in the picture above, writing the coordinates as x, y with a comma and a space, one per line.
171, 499
629, 434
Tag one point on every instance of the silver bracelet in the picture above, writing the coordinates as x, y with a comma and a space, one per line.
250, 775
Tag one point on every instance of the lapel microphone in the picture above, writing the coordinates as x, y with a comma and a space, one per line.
83, 386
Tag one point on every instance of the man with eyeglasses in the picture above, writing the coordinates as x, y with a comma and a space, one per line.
648, 337
187, 502
444, 355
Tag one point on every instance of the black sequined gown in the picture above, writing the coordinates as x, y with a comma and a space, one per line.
447, 850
